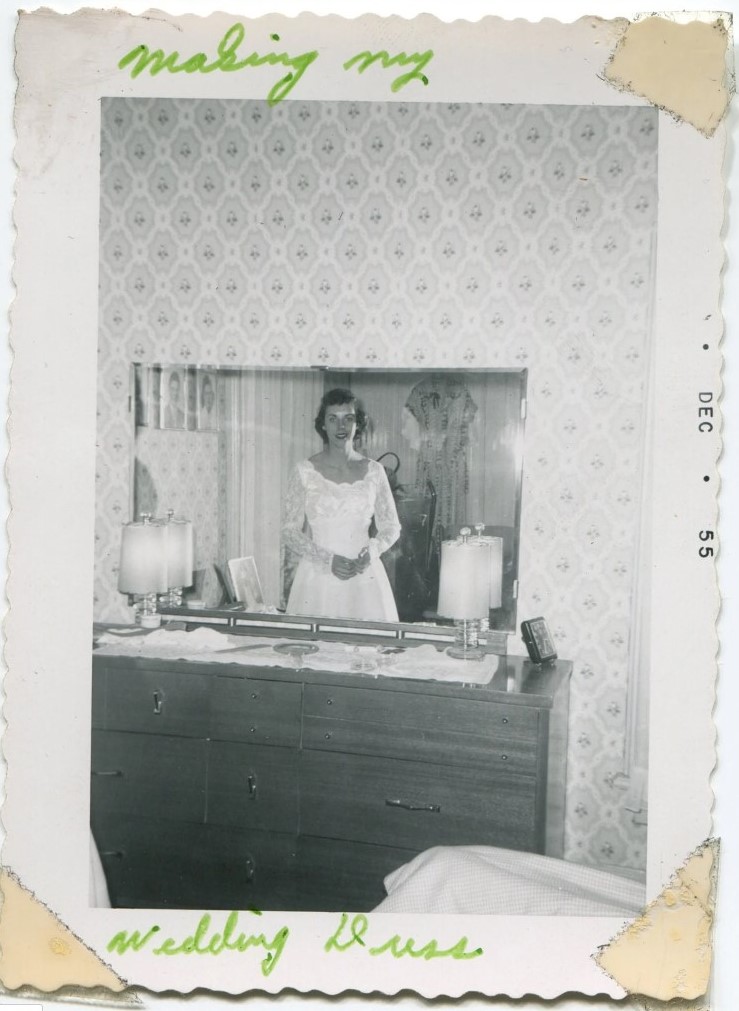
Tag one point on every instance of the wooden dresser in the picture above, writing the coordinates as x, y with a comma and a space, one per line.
235, 786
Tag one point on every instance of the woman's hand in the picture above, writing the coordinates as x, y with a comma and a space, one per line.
362, 561
343, 568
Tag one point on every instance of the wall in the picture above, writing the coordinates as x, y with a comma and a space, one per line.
402, 234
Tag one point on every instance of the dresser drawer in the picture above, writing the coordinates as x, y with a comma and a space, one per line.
500, 752
413, 805
156, 702
145, 775
164, 865
426, 712
342, 876
252, 786
252, 870
260, 712
153, 863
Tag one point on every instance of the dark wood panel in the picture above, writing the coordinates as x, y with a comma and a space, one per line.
344, 876
252, 786
144, 775
414, 805
260, 712
253, 870
427, 712
157, 702
500, 752
161, 864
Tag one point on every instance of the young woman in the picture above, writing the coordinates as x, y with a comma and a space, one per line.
332, 499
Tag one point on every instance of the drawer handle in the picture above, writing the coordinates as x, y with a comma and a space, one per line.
409, 805
504, 720
112, 854
255, 695
504, 758
251, 785
158, 703
327, 736
251, 869
107, 772
329, 702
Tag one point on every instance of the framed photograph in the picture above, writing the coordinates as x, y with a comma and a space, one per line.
173, 397
483, 254
142, 396
245, 582
206, 400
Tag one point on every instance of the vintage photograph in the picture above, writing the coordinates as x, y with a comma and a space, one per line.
518, 241
206, 405
173, 398
245, 582
382, 493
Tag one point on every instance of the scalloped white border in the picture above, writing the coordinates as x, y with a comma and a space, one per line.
676, 848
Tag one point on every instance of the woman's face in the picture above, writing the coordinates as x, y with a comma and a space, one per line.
341, 424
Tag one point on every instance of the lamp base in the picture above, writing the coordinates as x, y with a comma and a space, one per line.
467, 643
460, 653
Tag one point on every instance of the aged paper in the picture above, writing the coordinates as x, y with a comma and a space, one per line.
622, 366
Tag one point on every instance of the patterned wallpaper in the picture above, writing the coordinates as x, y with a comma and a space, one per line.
414, 234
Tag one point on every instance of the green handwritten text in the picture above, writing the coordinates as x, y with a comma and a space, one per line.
140, 58
202, 942
228, 60
366, 59
348, 934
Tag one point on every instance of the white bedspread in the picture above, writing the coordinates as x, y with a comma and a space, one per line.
487, 880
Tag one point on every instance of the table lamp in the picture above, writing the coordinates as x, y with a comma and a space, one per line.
179, 548
495, 546
143, 566
466, 589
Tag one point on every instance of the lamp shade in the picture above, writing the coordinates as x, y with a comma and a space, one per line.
143, 565
464, 580
495, 548
179, 541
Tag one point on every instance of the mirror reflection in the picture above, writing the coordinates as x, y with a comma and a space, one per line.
331, 490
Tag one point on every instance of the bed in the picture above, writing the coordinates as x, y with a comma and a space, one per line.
486, 880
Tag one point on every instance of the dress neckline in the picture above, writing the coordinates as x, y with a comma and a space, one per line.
341, 484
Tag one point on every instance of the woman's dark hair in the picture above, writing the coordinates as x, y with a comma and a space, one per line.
332, 399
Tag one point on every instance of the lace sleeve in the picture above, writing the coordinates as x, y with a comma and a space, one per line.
293, 527
386, 515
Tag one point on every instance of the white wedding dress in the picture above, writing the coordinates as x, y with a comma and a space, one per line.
338, 520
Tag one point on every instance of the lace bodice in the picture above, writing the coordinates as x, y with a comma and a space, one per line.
338, 515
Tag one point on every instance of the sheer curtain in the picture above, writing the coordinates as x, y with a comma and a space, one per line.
269, 427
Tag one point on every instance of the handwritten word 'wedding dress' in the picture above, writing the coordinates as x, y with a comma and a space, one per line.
338, 520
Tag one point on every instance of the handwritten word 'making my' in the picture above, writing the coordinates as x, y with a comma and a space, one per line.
228, 60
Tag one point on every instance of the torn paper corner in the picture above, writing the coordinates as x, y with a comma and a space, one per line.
681, 68
665, 952
39, 951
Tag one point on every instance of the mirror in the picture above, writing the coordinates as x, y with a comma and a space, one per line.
220, 446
